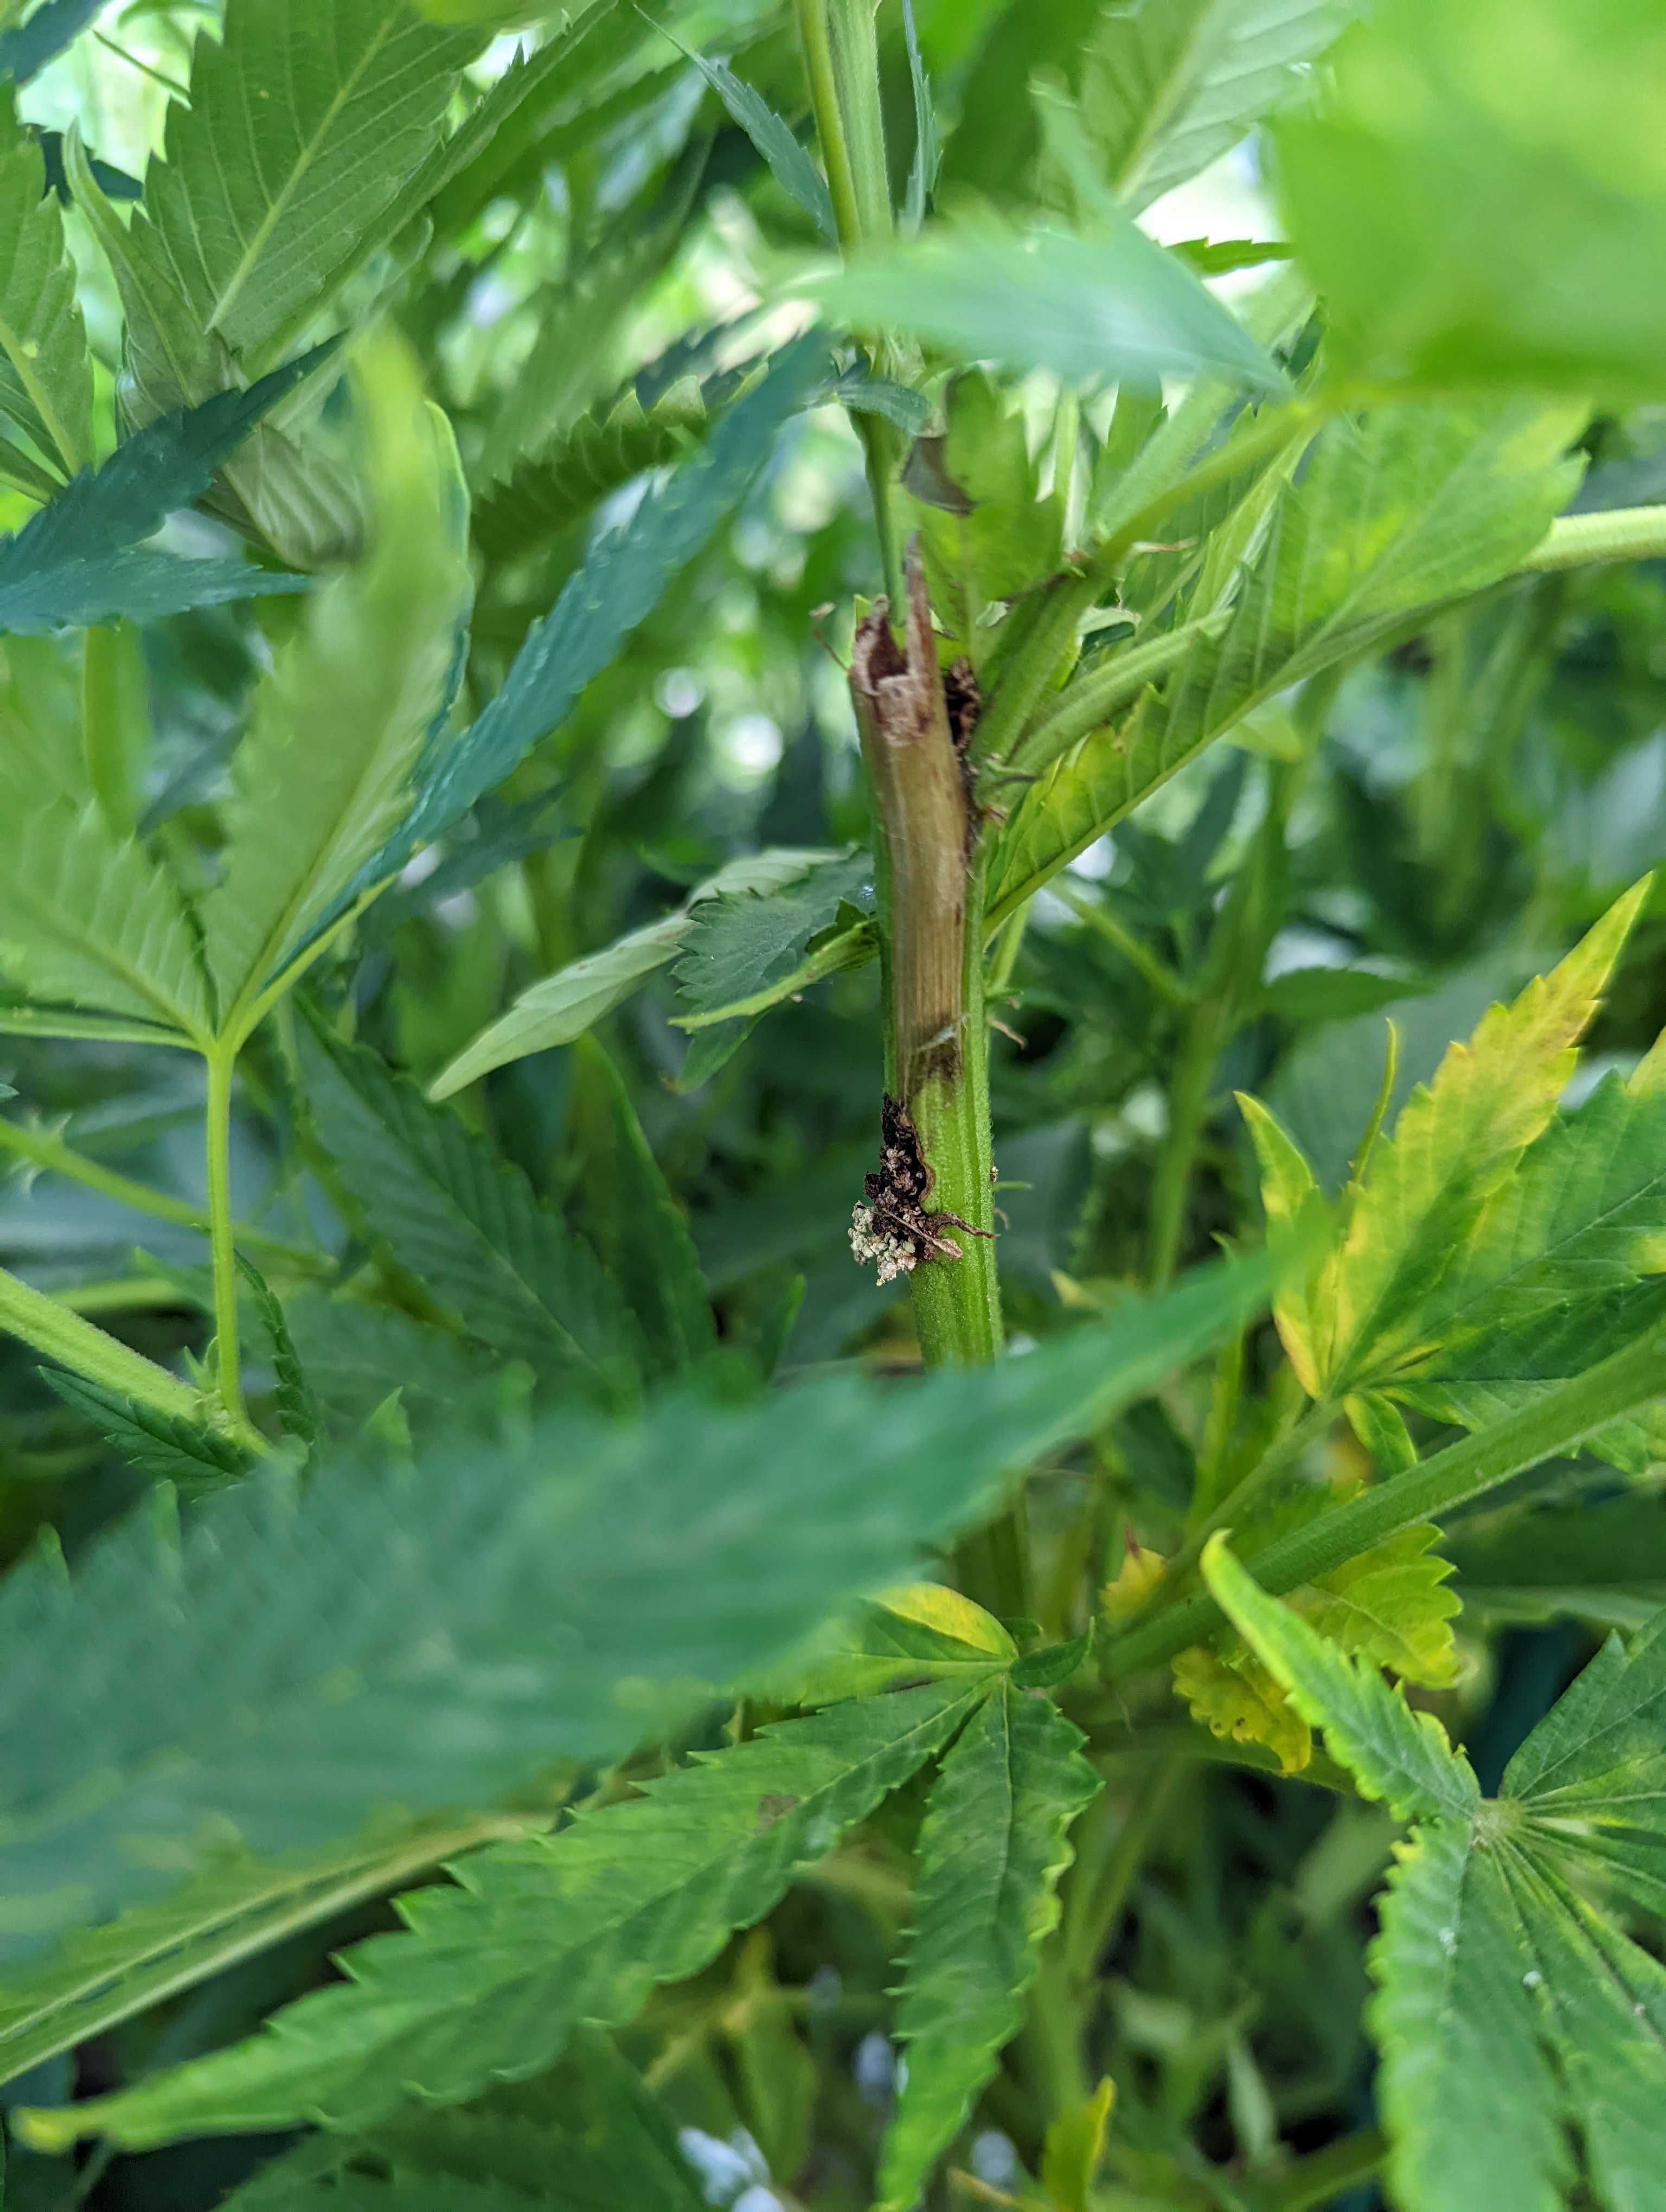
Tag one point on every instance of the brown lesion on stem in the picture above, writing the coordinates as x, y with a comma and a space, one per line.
893, 1229
926, 825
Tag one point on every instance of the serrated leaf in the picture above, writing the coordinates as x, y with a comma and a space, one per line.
564, 1593
559, 1007
358, 1357
924, 1629
45, 373
81, 559
637, 1228
1388, 1606
740, 944
991, 1848
295, 1409
538, 1935
1394, 1753
90, 917
163, 1448
788, 163
1452, 1145
463, 1222
1008, 537
557, 487
1091, 309
1411, 507
236, 1904
1468, 2093
342, 717
1168, 86
620, 582
1605, 1563
301, 126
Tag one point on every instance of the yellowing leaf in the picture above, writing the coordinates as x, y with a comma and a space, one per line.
1237, 1698
1139, 1574
1075, 2145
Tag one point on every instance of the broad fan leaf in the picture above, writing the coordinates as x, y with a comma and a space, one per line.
589, 2135
45, 373
302, 125
563, 1594
464, 1223
82, 558
91, 918
559, 1007
343, 716
494, 1974
991, 1848
1091, 309
1169, 85
1396, 513
237, 1904
617, 588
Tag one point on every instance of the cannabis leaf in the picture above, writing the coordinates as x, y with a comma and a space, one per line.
1493, 1973
81, 559
45, 374
340, 722
991, 1848
559, 1007
495, 1974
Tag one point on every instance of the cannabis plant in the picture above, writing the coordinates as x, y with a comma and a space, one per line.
824, 1383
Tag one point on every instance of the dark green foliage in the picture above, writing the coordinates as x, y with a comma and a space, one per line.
833, 1261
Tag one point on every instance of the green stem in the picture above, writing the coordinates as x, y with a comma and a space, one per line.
123, 1294
1189, 1105
1100, 1892
1558, 1423
1622, 533
54, 1156
221, 1064
1091, 700
52, 1328
1098, 916
1323, 2175
105, 748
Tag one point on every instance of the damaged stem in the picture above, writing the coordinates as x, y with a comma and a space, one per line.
933, 1201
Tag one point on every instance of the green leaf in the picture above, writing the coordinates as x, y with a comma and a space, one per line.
163, 1448
991, 1848
1394, 1753
1091, 309
557, 487
1383, 1293
341, 720
559, 1007
1599, 1755
27, 50
564, 1593
636, 1227
236, 1905
78, 561
1503, 226
922, 1630
46, 375
1398, 513
1604, 1564
538, 1935
1168, 86
358, 1357
1075, 2146
1466, 2087
90, 917
295, 1409
788, 163
1008, 537
302, 125
927, 148
588, 2135
463, 1222
617, 588
740, 946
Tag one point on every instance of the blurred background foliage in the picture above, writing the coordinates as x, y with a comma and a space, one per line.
1433, 827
